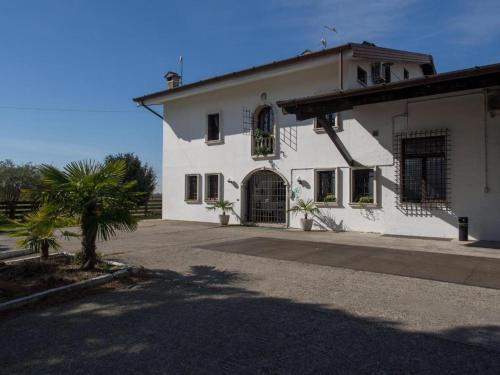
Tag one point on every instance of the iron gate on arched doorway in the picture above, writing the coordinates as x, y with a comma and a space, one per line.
266, 198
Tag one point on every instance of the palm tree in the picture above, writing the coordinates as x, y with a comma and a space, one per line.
306, 207
222, 205
97, 195
38, 231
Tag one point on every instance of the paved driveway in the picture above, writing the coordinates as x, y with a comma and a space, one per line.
208, 311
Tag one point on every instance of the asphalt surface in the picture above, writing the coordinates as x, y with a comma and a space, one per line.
218, 312
461, 269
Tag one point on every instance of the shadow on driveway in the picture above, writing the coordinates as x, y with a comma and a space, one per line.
203, 323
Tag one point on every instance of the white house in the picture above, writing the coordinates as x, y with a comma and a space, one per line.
373, 135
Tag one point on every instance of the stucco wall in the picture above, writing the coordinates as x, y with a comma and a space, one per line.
302, 150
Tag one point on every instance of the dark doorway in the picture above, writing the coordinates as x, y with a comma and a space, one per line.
266, 198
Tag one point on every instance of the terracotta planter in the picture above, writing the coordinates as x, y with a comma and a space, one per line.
224, 219
306, 224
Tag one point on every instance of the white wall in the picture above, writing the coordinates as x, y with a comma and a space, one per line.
302, 150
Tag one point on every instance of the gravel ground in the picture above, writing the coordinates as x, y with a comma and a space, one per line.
222, 313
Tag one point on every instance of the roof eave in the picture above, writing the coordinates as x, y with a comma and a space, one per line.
479, 77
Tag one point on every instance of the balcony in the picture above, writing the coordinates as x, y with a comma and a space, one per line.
263, 144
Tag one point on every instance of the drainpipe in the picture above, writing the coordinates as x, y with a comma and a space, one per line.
141, 104
485, 133
341, 71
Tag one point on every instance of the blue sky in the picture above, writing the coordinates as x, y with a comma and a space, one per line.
69, 68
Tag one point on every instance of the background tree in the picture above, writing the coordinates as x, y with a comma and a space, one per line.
95, 193
14, 181
138, 171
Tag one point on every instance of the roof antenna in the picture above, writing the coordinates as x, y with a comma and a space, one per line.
323, 40
181, 62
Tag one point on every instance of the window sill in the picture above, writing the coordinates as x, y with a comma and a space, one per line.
197, 201
216, 142
263, 157
322, 131
326, 204
211, 201
363, 205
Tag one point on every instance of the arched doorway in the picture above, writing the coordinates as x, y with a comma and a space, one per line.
266, 198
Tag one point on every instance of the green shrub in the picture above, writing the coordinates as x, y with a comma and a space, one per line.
365, 199
329, 198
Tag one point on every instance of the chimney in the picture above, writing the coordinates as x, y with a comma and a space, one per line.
173, 80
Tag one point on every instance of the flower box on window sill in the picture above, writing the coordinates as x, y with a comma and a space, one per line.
192, 201
327, 204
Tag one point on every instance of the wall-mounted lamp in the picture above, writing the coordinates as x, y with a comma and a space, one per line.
230, 180
299, 180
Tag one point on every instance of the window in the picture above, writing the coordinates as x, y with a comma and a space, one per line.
325, 186
387, 73
424, 169
213, 128
192, 188
263, 133
376, 78
406, 74
331, 118
362, 76
363, 186
265, 120
213, 188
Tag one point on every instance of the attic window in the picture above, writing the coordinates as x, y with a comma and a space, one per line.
376, 78
362, 76
330, 118
387, 73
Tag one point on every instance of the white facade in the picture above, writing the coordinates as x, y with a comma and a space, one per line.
367, 132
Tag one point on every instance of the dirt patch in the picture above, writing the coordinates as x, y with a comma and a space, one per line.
32, 276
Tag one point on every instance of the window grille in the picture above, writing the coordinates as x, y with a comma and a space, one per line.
363, 185
422, 171
192, 188
266, 198
325, 190
248, 121
212, 186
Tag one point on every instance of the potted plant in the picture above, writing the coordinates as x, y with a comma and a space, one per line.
330, 198
223, 206
365, 199
306, 207
261, 142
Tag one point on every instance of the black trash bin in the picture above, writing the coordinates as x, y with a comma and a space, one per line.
463, 228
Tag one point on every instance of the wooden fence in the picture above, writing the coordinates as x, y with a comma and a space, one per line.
17, 210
